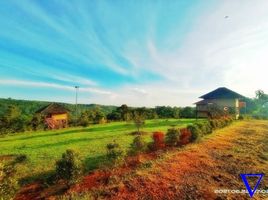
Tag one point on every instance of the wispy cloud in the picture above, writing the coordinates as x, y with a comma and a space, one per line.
145, 53
74, 79
22, 83
140, 91
218, 51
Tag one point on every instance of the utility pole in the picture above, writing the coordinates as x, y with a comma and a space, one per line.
76, 111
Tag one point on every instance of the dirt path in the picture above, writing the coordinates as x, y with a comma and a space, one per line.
196, 171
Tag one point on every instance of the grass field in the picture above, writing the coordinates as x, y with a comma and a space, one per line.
45, 147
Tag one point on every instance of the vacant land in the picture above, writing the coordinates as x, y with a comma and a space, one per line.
45, 147
216, 163
193, 172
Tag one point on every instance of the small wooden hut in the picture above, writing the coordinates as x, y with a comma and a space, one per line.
55, 116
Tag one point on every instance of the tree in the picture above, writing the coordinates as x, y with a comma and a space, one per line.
261, 97
12, 114
176, 112
165, 111
187, 112
261, 104
37, 122
83, 120
99, 116
123, 110
12, 120
139, 121
251, 106
259, 94
114, 116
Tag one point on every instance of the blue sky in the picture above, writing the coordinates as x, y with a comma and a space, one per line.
142, 53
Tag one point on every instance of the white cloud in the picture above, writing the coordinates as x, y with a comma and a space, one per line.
74, 79
217, 52
151, 95
21, 83
140, 91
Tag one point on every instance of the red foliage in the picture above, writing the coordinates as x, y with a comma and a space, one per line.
158, 138
185, 136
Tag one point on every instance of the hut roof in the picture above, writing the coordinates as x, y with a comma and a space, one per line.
202, 102
222, 93
53, 108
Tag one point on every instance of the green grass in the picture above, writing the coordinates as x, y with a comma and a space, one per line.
43, 148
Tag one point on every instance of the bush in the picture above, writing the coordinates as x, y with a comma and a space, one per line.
230, 120
221, 122
185, 136
256, 116
260, 116
195, 132
172, 137
83, 122
201, 128
114, 153
138, 145
224, 122
213, 123
207, 127
67, 168
158, 141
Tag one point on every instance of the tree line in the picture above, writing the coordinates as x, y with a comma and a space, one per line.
19, 115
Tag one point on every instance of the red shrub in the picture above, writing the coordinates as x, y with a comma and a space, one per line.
158, 142
185, 136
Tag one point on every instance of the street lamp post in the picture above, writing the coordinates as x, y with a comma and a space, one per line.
76, 111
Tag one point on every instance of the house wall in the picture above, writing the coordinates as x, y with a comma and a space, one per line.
202, 107
226, 102
60, 116
220, 102
201, 114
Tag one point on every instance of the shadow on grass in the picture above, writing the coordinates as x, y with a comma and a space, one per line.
70, 141
169, 123
81, 130
49, 177
116, 127
92, 163
43, 177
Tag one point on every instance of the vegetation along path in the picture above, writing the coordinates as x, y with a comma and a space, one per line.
195, 171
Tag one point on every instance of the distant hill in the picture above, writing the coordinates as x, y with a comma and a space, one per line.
29, 107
